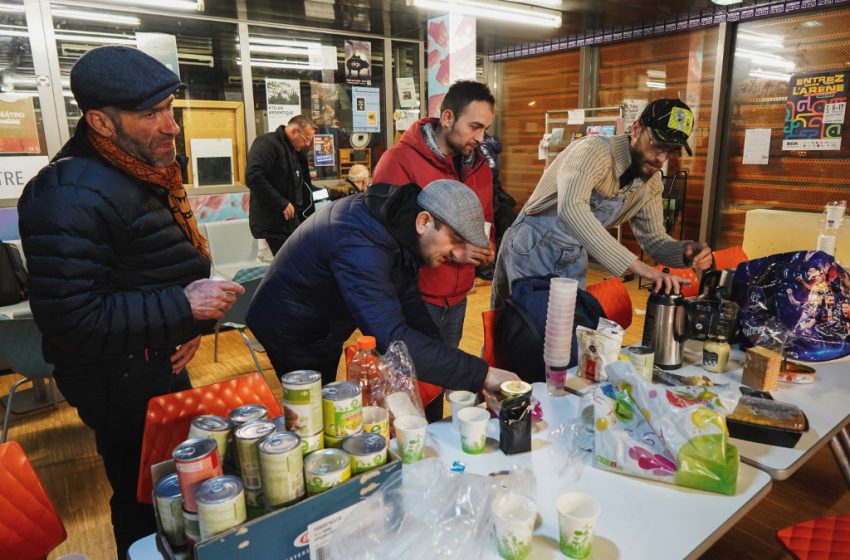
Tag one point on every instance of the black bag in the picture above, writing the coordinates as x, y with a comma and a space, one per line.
13, 275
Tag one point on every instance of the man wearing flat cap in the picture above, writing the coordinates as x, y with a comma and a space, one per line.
355, 265
595, 184
118, 271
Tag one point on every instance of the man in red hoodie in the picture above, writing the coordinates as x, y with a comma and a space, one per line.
448, 148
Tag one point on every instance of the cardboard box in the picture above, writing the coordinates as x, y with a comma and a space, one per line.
300, 531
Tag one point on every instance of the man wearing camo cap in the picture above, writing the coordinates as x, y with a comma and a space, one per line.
595, 184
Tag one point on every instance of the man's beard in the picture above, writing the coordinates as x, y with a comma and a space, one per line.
139, 150
637, 163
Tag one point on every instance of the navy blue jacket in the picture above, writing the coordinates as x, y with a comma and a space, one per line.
354, 264
107, 262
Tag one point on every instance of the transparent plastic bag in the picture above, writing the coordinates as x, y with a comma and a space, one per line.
423, 512
401, 392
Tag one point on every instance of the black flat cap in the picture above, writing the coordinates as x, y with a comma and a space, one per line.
122, 77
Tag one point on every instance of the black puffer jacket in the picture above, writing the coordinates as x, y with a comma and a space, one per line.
107, 261
277, 176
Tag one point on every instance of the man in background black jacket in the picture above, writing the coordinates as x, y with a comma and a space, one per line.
118, 272
279, 178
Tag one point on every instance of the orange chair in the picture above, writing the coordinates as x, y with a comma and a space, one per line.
729, 258
827, 538
29, 524
169, 416
489, 352
614, 299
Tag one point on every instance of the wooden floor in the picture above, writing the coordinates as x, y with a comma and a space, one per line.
62, 450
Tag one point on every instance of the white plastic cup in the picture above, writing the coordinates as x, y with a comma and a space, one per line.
577, 517
410, 437
459, 400
487, 227
514, 516
473, 422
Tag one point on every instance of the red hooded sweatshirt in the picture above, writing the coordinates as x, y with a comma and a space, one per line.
412, 161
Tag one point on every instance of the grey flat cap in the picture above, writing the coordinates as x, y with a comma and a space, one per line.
455, 204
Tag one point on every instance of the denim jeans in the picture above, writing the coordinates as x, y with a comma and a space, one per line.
449, 320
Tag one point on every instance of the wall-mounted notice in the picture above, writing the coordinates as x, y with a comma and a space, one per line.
323, 150
283, 101
18, 128
15, 173
632, 108
160, 46
575, 116
756, 146
366, 109
814, 112
358, 62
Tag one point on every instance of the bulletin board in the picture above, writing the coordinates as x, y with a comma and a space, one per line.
211, 120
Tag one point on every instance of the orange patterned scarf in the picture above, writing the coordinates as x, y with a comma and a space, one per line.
169, 178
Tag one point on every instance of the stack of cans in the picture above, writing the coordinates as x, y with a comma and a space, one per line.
342, 410
196, 460
248, 437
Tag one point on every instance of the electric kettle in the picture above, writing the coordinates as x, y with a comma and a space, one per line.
664, 329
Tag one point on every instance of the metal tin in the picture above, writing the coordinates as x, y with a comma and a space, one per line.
342, 409
247, 437
279, 423
192, 528
247, 413
642, 359
195, 460
282, 469
332, 442
221, 505
367, 451
302, 401
169, 506
514, 388
312, 443
325, 469
213, 427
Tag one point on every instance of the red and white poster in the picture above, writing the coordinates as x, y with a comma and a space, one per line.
18, 128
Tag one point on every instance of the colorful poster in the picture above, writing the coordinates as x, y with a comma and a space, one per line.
283, 101
451, 55
18, 128
358, 62
366, 109
325, 104
323, 150
160, 46
814, 112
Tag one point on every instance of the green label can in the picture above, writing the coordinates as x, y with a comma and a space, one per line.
312, 443
221, 505
325, 469
367, 451
247, 438
342, 409
213, 427
282, 469
302, 401
169, 506
337, 442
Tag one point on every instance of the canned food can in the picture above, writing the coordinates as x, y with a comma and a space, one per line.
325, 469
192, 528
279, 423
247, 438
332, 442
213, 427
515, 388
302, 401
342, 409
247, 413
221, 505
169, 506
642, 359
312, 443
367, 451
255, 503
195, 460
282, 469
376, 420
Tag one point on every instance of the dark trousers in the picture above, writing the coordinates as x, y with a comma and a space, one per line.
275, 243
112, 400
325, 363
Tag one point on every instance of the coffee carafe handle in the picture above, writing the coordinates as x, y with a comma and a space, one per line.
680, 326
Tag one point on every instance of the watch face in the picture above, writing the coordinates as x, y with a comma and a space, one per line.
360, 139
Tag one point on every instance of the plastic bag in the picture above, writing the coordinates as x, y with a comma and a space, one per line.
807, 292
423, 512
401, 392
598, 348
671, 434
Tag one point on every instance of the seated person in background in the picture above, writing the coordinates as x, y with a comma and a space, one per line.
355, 265
357, 181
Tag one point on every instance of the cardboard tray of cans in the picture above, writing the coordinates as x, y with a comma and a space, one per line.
301, 530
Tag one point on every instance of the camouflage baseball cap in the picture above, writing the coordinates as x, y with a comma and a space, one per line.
670, 122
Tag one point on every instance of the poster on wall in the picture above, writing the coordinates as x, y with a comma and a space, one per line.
406, 93
323, 150
366, 109
814, 111
632, 108
451, 55
162, 47
18, 128
283, 101
325, 104
17, 171
358, 62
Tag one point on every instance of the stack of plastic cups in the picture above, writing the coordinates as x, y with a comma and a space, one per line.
559, 331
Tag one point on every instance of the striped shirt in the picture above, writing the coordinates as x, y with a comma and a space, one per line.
597, 163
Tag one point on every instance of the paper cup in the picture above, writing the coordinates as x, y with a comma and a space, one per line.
459, 400
410, 436
487, 227
514, 518
577, 517
473, 429
376, 420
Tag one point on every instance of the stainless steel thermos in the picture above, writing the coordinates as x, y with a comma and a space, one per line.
664, 329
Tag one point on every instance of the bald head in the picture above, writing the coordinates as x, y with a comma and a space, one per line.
359, 175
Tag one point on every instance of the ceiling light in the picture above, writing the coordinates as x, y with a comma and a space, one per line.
812, 23
778, 76
556, 4
99, 39
285, 64
272, 49
104, 17
13, 32
655, 85
726, 2
493, 9
762, 39
284, 42
186, 5
11, 8
765, 59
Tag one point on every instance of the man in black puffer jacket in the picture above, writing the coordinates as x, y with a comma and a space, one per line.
355, 265
118, 272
